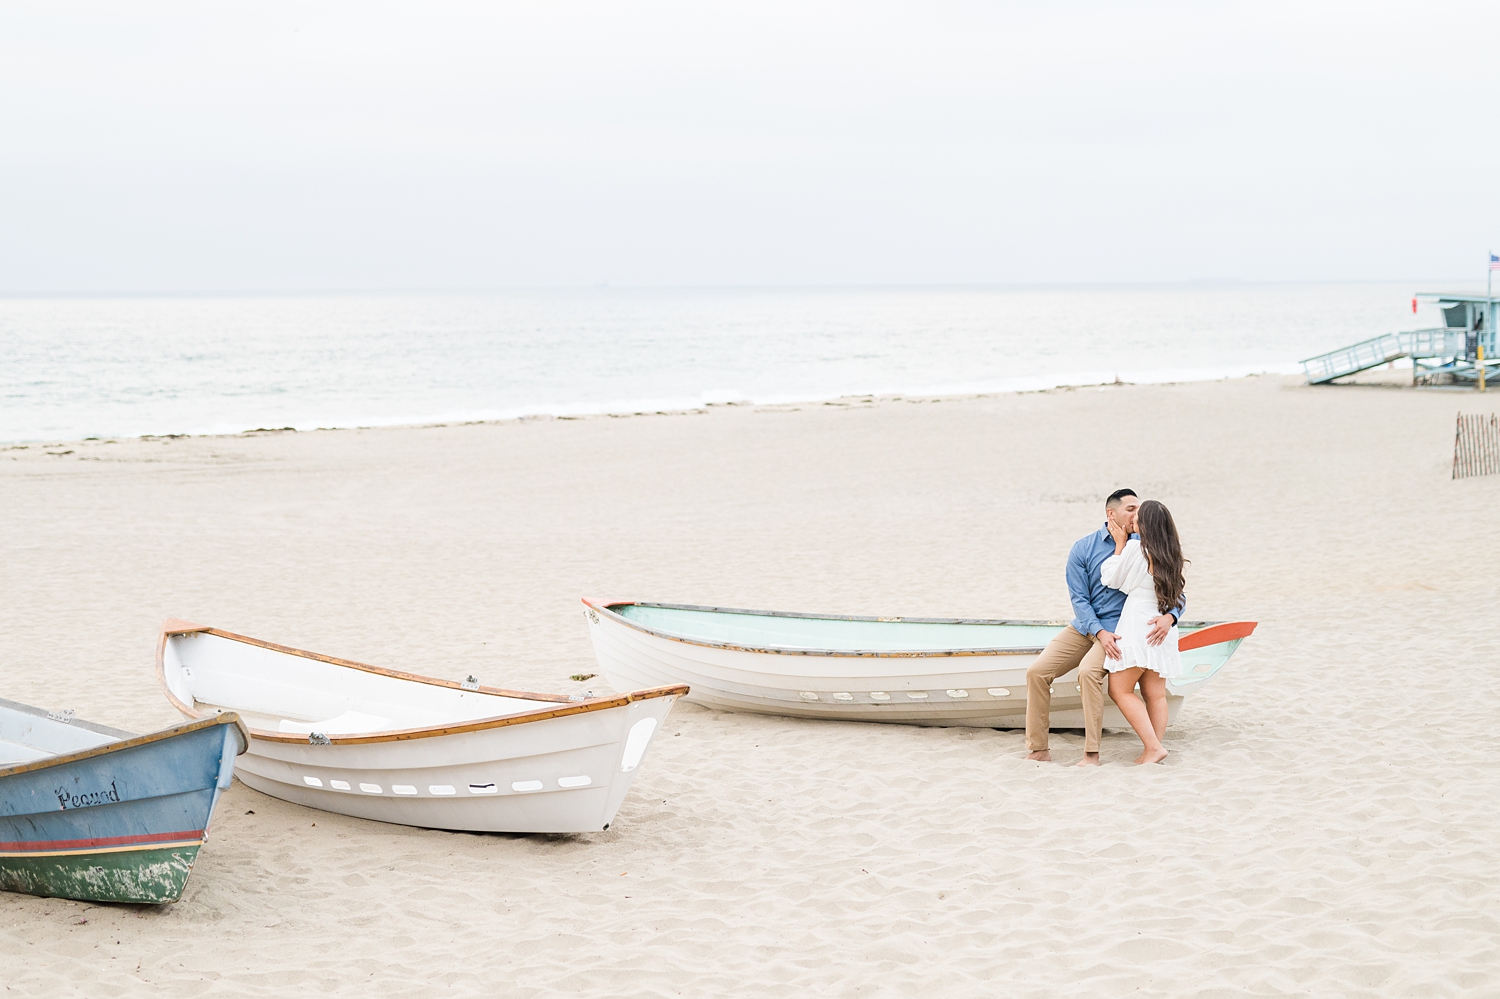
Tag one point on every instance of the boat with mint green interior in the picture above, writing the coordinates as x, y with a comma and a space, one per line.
917, 671
93, 813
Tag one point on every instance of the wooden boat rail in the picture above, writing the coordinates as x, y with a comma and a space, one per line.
566, 705
1207, 633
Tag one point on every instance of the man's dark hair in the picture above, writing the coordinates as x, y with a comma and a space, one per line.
1117, 495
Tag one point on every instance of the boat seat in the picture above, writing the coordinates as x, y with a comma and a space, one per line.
12, 753
348, 723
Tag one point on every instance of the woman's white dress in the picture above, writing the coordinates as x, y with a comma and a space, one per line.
1127, 572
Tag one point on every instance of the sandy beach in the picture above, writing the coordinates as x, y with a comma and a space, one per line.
1328, 823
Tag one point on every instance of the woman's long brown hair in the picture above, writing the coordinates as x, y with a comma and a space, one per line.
1163, 552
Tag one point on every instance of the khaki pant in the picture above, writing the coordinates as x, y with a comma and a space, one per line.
1067, 650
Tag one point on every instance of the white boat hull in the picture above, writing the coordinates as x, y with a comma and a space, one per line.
554, 767
554, 750
984, 689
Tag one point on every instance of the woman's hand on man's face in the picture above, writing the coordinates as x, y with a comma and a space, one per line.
1118, 532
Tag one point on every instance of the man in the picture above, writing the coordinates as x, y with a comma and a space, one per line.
1091, 636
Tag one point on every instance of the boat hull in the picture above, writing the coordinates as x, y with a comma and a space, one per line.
518, 773
487, 760
979, 688
123, 823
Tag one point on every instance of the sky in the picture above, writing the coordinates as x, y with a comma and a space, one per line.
301, 146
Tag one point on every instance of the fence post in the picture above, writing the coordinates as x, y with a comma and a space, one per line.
1458, 440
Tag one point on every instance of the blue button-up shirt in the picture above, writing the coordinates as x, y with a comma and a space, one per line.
1095, 605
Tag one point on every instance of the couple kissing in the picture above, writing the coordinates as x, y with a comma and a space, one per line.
1126, 585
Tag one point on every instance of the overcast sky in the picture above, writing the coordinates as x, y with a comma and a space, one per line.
446, 145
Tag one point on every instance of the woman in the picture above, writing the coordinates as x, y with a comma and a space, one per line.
1149, 572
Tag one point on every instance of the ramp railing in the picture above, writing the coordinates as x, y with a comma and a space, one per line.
1348, 360
1426, 343
1436, 342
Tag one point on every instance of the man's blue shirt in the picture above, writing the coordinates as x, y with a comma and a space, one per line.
1095, 605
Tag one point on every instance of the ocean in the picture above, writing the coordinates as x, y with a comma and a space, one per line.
77, 367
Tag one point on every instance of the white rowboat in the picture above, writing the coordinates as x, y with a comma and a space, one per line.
397, 747
918, 671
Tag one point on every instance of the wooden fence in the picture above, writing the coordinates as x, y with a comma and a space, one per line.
1476, 446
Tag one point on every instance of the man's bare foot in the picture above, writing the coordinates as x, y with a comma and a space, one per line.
1152, 756
1040, 755
1089, 760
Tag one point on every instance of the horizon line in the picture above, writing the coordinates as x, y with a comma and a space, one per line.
830, 286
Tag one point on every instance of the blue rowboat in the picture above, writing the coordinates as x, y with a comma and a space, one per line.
94, 813
912, 670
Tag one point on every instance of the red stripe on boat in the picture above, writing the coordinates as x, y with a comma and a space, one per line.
76, 844
1214, 634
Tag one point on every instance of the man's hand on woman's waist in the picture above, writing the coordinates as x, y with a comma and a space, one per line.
1160, 627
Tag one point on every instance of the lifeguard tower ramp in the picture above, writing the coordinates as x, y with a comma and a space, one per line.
1353, 359
1439, 355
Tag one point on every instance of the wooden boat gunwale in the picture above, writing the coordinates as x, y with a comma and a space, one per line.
1207, 633
204, 721
566, 705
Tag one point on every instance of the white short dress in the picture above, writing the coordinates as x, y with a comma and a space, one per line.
1128, 572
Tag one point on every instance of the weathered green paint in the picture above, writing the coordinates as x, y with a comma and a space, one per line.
145, 876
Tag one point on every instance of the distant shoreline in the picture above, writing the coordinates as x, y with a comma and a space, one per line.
1379, 379
631, 410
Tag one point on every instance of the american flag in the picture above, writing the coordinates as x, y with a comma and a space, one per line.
1494, 262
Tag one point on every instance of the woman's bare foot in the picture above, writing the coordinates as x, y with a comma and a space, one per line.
1089, 760
1152, 755
1040, 755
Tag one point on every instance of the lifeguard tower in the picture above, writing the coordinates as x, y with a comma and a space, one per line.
1441, 355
